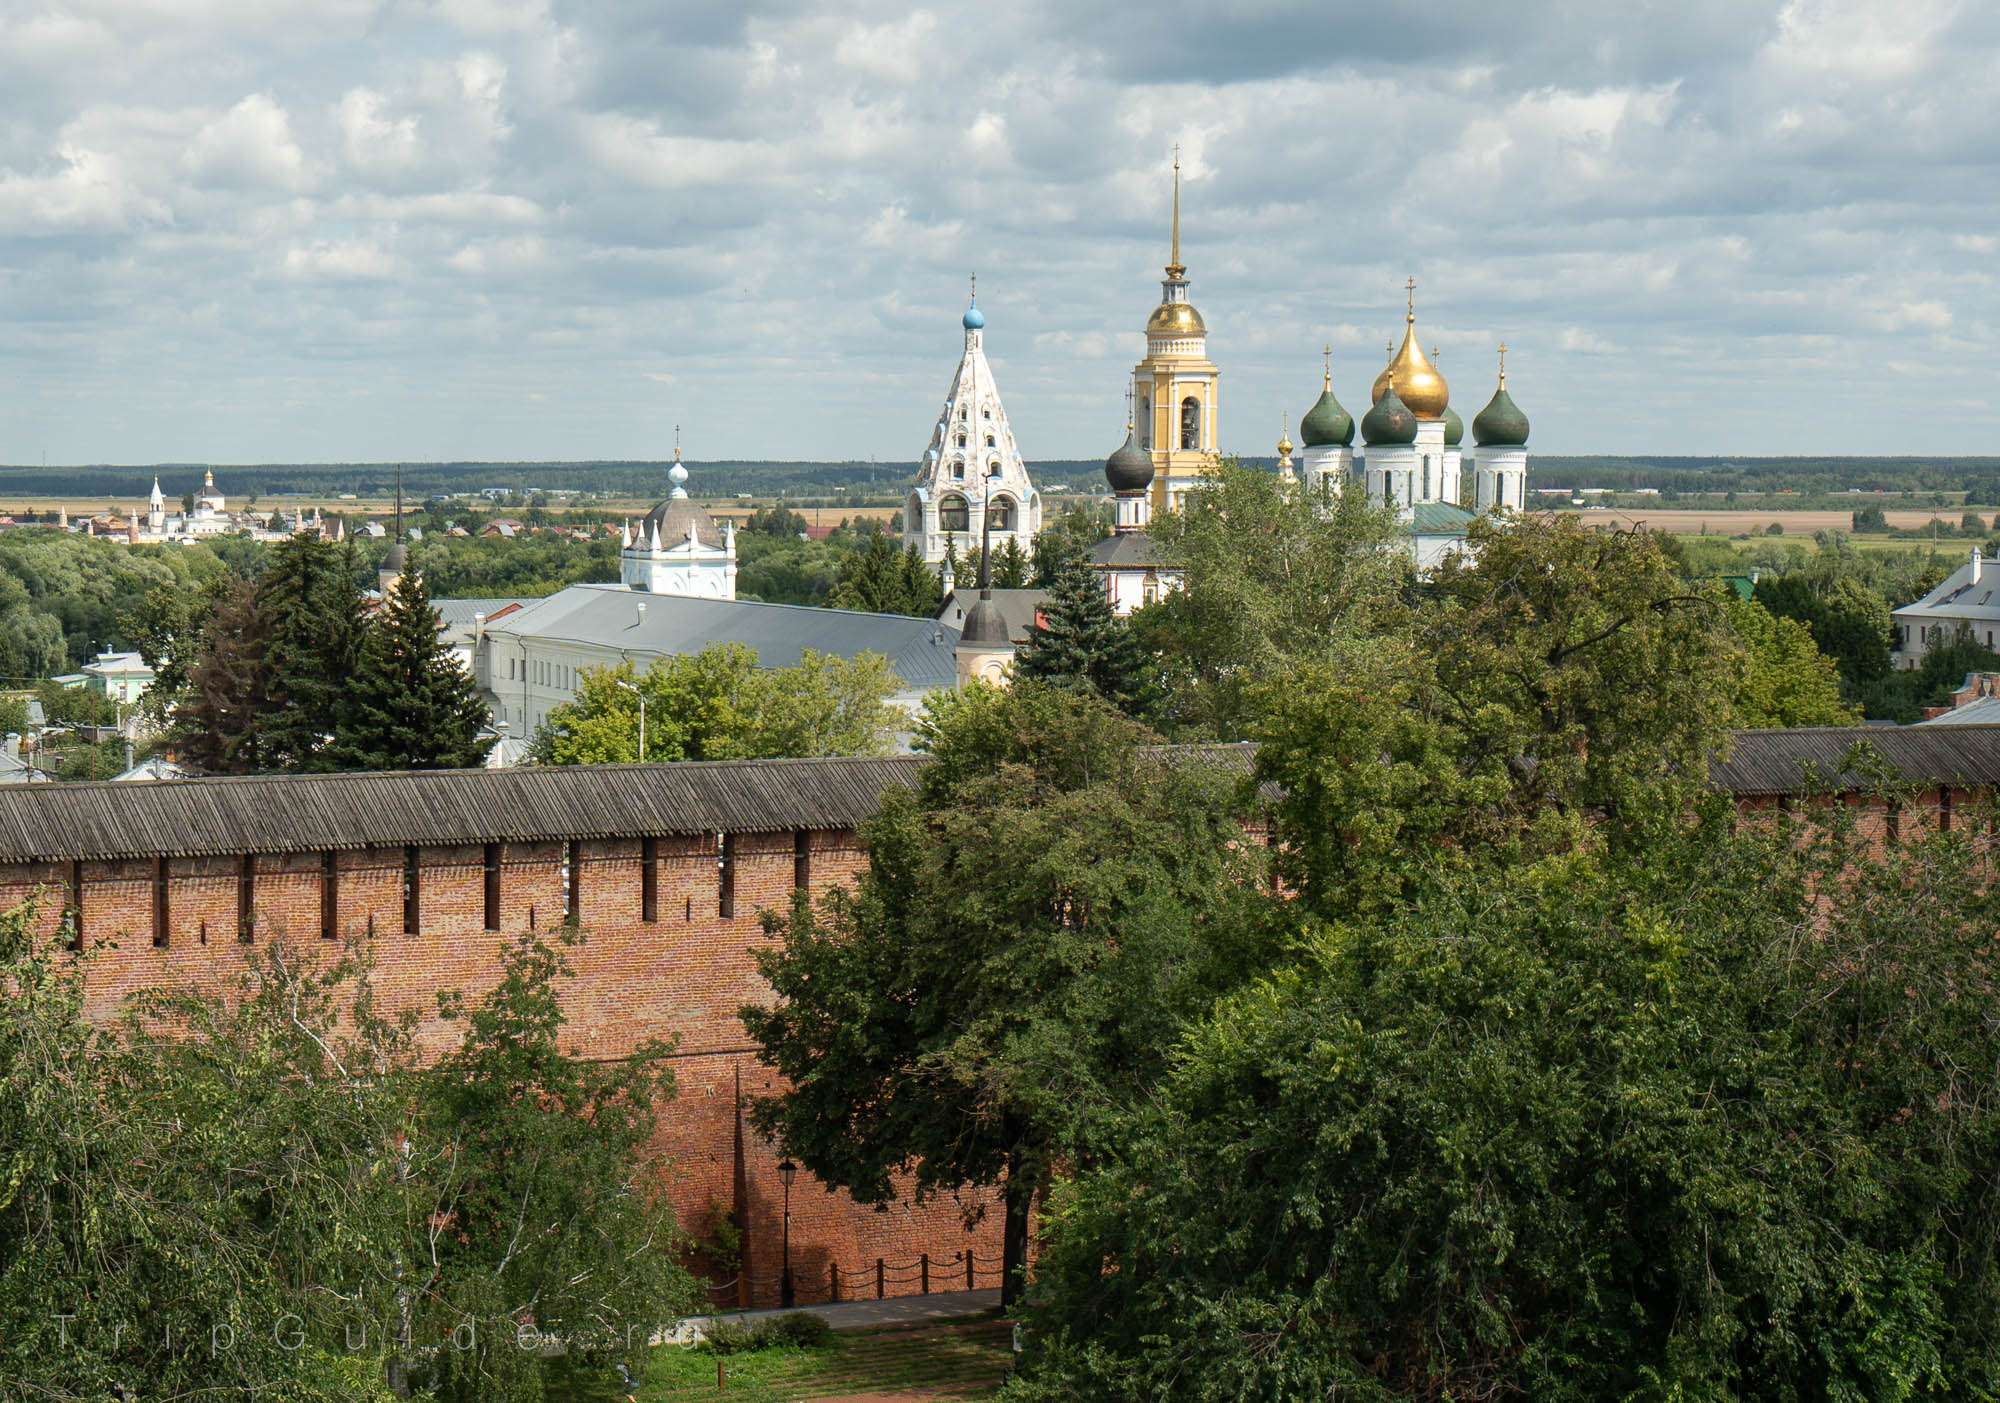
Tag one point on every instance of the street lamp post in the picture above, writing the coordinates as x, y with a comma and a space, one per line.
787, 1172
642, 717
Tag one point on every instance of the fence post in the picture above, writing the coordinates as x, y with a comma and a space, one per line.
833, 1280
926, 1273
968, 1268
878, 1278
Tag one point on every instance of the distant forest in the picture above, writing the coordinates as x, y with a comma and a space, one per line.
1979, 478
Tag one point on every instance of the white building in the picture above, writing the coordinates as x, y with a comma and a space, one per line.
677, 548
123, 677
1966, 604
971, 476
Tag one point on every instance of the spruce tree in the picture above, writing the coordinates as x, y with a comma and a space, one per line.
922, 594
410, 704
1010, 566
218, 721
310, 604
1079, 643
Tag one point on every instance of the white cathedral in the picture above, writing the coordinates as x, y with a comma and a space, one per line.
971, 479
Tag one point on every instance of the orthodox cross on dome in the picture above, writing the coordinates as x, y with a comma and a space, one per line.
1503, 365
1128, 409
678, 473
1410, 306
1328, 354
1175, 269
975, 287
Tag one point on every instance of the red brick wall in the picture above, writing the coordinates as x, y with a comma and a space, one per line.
681, 977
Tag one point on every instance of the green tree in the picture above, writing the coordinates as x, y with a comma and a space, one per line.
1079, 643
1695, 1122
1849, 619
218, 723
1785, 679
309, 604
1079, 527
1267, 580
718, 704
1010, 566
1008, 972
923, 591
410, 704
871, 578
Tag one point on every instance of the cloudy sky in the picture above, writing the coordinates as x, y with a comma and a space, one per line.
252, 230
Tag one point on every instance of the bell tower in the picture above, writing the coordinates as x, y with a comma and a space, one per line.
1174, 387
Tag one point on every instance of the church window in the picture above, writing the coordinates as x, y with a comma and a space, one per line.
961, 440
954, 515
993, 468
958, 468
1190, 423
1145, 421
1001, 514
989, 441
986, 413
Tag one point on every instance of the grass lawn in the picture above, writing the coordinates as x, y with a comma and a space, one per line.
963, 1359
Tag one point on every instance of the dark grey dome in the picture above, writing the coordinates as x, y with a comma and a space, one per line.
1130, 467
675, 517
984, 625
398, 558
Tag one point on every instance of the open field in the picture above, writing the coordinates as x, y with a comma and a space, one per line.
1685, 522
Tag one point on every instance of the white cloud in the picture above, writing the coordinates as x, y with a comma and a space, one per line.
249, 147
776, 195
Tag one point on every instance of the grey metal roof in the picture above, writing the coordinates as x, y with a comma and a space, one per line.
1792, 761
609, 616
1983, 711
1132, 550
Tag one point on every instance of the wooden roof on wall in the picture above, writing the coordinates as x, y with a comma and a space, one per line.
317, 813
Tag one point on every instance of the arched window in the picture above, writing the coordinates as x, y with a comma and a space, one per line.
953, 515
913, 514
961, 411
986, 413
993, 468
1000, 514
961, 440
1190, 423
1145, 421
989, 441
958, 469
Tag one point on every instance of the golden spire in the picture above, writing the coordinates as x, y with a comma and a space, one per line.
1503, 365
1174, 269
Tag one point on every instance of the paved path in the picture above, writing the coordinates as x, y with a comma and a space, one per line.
861, 1315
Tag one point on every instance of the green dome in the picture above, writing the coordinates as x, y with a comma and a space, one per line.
1501, 424
1390, 421
1454, 428
1326, 423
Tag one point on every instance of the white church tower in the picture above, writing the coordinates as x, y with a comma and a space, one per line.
156, 511
1500, 461
677, 548
972, 476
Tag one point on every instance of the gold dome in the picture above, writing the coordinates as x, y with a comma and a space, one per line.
1417, 382
1177, 319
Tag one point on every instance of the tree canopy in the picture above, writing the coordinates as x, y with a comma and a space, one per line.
718, 704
